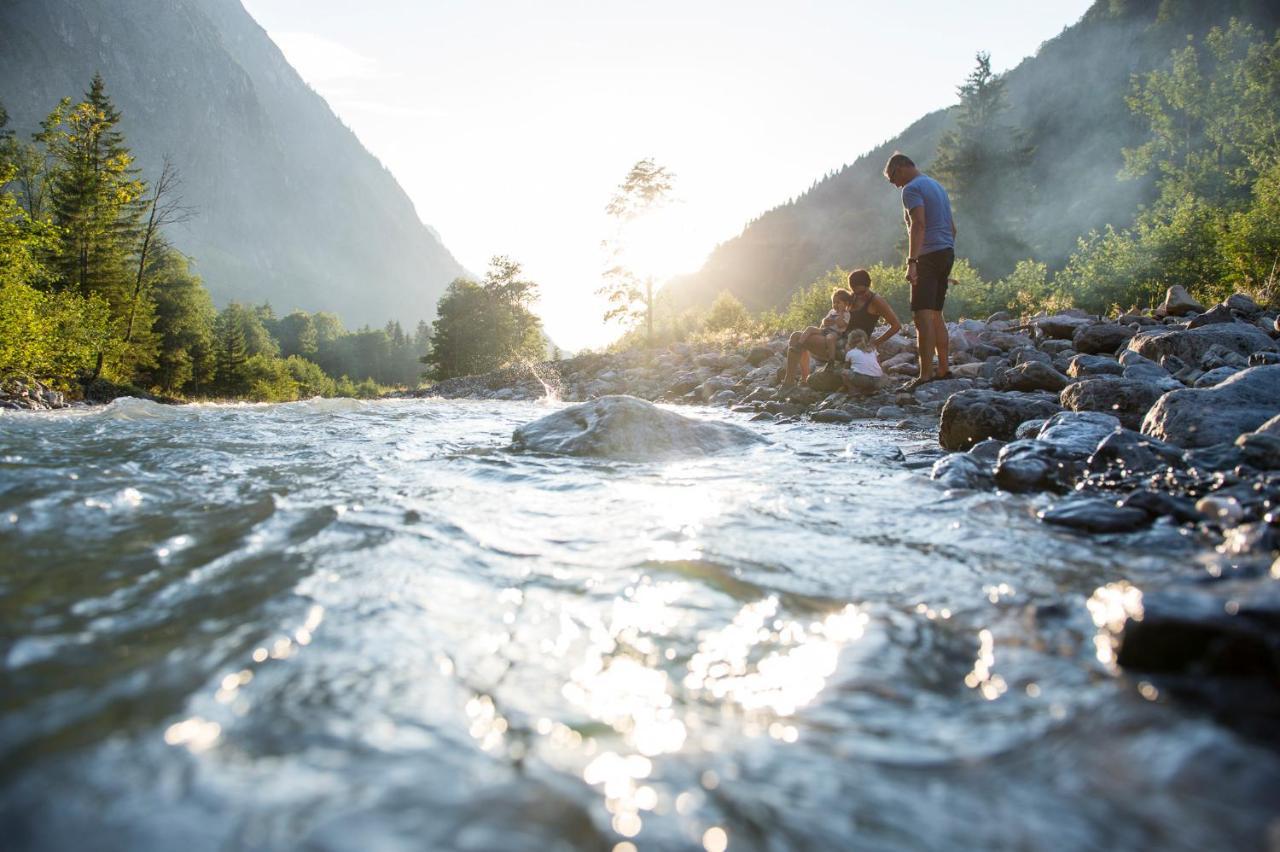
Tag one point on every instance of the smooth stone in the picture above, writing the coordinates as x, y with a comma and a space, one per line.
1133, 453
1078, 433
987, 451
1215, 377
941, 389
832, 415
1261, 450
624, 427
1215, 315
1191, 344
1161, 505
962, 470
974, 415
1178, 302
1197, 635
1028, 429
825, 381
1126, 398
1202, 417
1034, 465
1242, 303
1095, 515
1082, 366
1031, 375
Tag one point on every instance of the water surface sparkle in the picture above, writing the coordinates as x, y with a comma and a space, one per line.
347, 625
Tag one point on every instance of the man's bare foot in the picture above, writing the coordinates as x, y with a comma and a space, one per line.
917, 382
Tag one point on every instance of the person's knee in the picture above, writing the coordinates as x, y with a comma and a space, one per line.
795, 338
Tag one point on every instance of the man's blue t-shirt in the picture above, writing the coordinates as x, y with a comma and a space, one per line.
926, 191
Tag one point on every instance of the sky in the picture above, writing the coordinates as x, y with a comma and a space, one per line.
511, 123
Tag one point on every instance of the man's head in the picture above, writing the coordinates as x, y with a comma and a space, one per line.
859, 281
900, 170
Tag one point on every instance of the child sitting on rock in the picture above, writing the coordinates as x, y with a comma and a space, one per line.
864, 373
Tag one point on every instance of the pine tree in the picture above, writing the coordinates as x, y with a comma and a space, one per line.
230, 373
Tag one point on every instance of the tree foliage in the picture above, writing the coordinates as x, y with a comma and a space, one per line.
487, 325
629, 289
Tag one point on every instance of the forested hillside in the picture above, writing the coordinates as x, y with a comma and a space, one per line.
288, 206
1064, 124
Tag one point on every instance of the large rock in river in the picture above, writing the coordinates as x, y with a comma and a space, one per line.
1128, 399
1202, 417
975, 415
624, 427
1191, 345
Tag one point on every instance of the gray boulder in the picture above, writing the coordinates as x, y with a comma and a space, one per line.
1178, 302
1243, 304
1060, 326
1131, 452
1097, 515
1220, 356
1056, 347
1214, 316
825, 381
624, 427
1030, 375
1126, 398
1201, 417
1082, 366
1190, 345
1215, 377
1078, 433
962, 470
974, 415
1101, 338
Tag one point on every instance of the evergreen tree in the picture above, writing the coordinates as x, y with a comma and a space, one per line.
184, 322
232, 352
982, 162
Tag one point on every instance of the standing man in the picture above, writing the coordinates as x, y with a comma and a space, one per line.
931, 253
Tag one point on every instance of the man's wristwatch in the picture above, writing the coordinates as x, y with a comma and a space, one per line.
912, 260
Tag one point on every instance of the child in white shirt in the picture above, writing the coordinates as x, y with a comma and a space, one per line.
864, 373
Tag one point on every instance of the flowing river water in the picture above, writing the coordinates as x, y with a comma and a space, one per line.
336, 625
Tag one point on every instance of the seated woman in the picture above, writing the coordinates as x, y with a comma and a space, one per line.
866, 310
822, 341
865, 374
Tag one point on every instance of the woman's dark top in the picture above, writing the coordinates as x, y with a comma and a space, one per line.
861, 318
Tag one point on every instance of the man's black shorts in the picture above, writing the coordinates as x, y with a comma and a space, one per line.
932, 271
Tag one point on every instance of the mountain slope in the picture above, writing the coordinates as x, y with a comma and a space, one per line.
1069, 99
290, 207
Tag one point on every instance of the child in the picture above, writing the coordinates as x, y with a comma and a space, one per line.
864, 371
833, 325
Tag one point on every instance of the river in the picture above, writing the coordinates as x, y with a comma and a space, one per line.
337, 625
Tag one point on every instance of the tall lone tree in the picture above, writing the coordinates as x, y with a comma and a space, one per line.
983, 164
629, 290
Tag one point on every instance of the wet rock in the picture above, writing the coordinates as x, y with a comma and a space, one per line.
1215, 377
1096, 515
1133, 453
1158, 504
987, 451
624, 427
1126, 398
976, 415
832, 415
1034, 465
1191, 344
1261, 450
1084, 366
962, 470
1029, 376
1099, 338
1218, 458
1178, 302
1028, 429
1078, 433
1251, 539
1201, 417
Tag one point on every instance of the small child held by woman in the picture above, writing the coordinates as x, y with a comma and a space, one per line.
864, 373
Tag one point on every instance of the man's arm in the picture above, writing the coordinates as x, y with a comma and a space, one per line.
915, 239
883, 310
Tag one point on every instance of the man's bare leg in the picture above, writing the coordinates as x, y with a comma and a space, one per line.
941, 344
926, 344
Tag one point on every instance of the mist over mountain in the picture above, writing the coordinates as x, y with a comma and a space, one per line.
289, 206
1068, 100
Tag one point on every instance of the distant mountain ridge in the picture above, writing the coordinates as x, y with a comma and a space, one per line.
290, 207
1069, 98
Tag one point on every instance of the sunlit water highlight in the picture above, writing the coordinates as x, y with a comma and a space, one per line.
349, 626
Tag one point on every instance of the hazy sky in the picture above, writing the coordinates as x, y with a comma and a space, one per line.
510, 123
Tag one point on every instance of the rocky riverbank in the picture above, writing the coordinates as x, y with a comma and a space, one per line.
1164, 422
